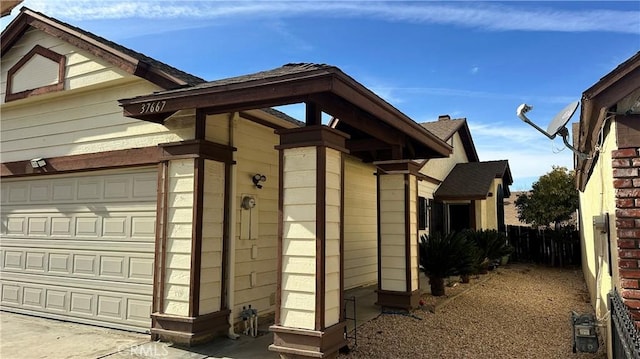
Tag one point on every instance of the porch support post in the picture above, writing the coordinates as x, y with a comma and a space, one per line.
189, 307
398, 234
309, 320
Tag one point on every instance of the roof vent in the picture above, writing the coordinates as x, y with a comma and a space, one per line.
444, 118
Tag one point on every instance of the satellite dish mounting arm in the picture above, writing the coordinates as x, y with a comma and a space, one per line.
557, 125
564, 133
524, 108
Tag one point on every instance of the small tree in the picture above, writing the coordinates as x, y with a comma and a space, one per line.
552, 199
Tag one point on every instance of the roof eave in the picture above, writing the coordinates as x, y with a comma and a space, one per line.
279, 90
408, 126
596, 102
470, 147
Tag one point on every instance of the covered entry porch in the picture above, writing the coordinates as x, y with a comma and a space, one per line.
313, 195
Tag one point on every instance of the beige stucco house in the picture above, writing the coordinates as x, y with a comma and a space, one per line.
609, 182
139, 197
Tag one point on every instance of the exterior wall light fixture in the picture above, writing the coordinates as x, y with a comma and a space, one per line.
257, 178
38, 162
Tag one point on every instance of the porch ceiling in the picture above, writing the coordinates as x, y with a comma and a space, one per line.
378, 130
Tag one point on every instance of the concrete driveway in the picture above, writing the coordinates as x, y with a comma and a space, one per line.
23, 336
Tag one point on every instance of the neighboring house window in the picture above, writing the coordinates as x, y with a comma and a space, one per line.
423, 213
39, 71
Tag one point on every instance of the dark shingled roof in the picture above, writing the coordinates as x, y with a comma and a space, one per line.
284, 71
444, 129
473, 180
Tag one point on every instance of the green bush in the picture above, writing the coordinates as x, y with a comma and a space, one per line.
491, 243
442, 256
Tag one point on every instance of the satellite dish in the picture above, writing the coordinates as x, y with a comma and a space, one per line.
561, 119
557, 126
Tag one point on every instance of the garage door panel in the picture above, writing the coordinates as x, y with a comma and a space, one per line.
116, 309
17, 193
61, 226
63, 191
13, 259
80, 247
138, 310
56, 300
40, 192
77, 283
68, 210
127, 187
37, 226
15, 226
141, 268
33, 297
36, 262
116, 267
83, 304
109, 306
59, 263
10, 294
131, 226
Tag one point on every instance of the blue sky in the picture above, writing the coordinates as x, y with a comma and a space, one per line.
478, 60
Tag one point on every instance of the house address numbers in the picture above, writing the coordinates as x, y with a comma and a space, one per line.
152, 107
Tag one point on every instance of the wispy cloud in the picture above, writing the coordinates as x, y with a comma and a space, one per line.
452, 92
529, 153
487, 16
295, 42
525, 163
498, 131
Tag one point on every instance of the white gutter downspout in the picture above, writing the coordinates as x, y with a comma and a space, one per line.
232, 232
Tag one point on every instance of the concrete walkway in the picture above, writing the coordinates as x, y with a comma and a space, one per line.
23, 336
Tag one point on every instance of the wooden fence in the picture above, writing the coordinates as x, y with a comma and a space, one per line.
555, 248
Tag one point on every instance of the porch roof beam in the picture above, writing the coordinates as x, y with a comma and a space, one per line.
372, 114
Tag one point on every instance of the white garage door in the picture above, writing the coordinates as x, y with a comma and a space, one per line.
80, 247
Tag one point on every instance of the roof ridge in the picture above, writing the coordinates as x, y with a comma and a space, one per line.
445, 121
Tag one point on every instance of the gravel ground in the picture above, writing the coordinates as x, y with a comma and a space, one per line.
516, 311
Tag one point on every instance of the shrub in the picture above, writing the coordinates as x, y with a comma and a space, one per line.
442, 256
492, 245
